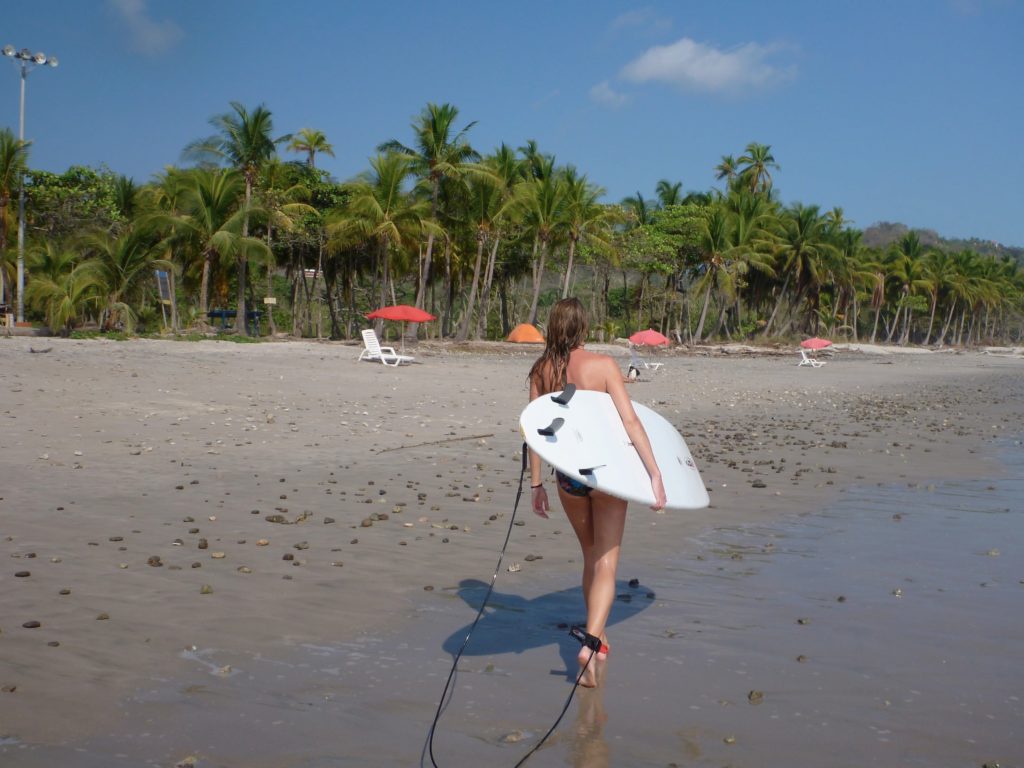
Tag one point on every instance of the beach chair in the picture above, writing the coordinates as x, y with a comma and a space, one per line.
635, 361
806, 359
373, 352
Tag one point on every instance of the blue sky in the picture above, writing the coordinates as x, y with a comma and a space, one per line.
905, 111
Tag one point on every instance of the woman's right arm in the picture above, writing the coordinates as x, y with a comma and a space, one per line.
539, 496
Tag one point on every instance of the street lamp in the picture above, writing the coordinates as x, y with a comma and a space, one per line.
26, 61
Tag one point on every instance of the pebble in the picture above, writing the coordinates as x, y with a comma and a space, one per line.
53, 643
301, 545
366, 523
755, 697
634, 583
116, 538
203, 544
206, 589
154, 561
23, 574
64, 591
217, 555
102, 616
328, 520
262, 542
244, 569
31, 625
197, 565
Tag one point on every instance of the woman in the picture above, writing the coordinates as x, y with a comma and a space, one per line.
597, 518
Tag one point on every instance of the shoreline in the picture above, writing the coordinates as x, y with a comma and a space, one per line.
122, 426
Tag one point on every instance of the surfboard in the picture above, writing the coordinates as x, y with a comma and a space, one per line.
580, 434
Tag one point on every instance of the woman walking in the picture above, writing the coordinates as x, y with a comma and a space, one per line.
597, 518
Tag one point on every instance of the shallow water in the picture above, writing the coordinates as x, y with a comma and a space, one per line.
884, 630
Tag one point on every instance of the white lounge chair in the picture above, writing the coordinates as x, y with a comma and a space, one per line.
806, 359
373, 352
635, 361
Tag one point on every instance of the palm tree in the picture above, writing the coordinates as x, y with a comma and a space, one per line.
13, 164
284, 204
727, 169
380, 211
641, 210
63, 287
209, 224
243, 140
586, 220
484, 206
312, 142
438, 154
938, 271
507, 170
541, 204
759, 161
802, 254
668, 193
122, 263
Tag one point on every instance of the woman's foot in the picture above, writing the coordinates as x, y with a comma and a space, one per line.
588, 665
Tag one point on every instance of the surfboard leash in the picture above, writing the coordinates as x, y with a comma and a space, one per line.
592, 642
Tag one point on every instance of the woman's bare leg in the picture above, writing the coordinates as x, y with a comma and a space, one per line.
598, 521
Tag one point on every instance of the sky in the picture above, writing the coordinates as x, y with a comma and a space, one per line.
906, 111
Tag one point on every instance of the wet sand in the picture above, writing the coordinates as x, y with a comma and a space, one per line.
242, 554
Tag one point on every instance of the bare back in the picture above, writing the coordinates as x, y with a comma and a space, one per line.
588, 370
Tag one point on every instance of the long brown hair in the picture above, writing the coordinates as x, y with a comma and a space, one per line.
567, 330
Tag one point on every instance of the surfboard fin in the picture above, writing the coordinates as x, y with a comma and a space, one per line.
551, 428
588, 471
565, 395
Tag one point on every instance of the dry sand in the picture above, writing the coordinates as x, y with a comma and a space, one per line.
245, 555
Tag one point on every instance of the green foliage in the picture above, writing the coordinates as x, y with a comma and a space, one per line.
61, 205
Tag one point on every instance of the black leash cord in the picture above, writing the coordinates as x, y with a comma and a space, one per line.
442, 704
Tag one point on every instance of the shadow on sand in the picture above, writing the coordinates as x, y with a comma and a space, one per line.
513, 624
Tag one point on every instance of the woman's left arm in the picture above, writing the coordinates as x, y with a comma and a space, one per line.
635, 430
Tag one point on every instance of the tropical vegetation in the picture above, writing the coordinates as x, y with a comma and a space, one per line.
483, 240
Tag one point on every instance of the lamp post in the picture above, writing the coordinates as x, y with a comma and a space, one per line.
26, 61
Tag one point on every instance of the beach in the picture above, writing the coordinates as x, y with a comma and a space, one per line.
266, 554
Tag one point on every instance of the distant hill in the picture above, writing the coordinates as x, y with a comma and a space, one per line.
883, 233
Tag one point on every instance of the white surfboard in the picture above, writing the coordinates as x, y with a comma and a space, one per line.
584, 438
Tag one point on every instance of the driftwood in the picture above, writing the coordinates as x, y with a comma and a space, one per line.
436, 442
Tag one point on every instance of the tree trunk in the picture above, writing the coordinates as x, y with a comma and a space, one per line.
698, 334
503, 302
568, 267
485, 297
538, 277
463, 333
241, 327
931, 319
204, 286
778, 304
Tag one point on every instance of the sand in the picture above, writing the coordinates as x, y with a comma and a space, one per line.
264, 554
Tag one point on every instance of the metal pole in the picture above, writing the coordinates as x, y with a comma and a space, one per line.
21, 204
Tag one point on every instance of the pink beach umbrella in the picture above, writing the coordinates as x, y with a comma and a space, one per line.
650, 337
815, 343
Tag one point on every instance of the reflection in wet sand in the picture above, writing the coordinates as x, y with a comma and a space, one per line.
589, 749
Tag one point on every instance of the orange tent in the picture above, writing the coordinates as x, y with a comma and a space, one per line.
525, 334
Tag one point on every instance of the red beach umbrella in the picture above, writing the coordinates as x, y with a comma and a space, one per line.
815, 343
650, 337
402, 312
524, 333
